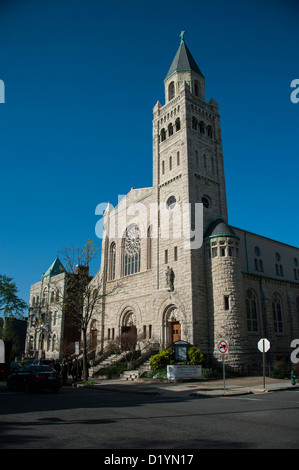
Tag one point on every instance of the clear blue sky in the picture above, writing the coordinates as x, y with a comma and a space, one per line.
81, 80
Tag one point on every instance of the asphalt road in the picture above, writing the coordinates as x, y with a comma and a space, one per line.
97, 418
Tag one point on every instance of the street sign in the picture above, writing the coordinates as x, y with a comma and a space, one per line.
263, 345
223, 346
2, 351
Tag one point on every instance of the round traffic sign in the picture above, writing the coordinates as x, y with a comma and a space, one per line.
223, 346
263, 345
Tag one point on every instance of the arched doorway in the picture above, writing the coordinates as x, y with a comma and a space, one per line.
129, 332
172, 325
93, 335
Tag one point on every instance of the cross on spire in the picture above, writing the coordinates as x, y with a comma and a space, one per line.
182, 36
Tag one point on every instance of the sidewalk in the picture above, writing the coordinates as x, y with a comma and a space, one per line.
208, 388
203, 388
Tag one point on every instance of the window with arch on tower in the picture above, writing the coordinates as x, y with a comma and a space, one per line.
202, 127
209, 131
171, 91
163, 135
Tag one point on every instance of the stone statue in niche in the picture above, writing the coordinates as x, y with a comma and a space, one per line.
170, 278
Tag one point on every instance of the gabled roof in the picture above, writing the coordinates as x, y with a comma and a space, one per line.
183, 61
55, 268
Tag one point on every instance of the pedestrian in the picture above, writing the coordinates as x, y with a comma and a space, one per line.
57, 367
64, 372
74, 370
80, 367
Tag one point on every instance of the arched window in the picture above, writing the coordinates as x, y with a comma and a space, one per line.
277, 312
112, 260
196, 88
45, 296
177, 124
194, 123
95, 294
149, 248
202, 127
53, 343
171, 91
258, 262
163, 135
170, 129
209, 131
131, 251
252, 312
52, 296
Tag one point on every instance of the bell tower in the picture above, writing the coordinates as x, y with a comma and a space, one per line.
187, 169
187, 144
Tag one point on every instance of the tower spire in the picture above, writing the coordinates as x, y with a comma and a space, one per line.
183, 61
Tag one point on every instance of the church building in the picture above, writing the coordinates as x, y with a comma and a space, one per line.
236, 285
172, 267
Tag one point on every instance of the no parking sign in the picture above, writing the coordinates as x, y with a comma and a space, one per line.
222, 346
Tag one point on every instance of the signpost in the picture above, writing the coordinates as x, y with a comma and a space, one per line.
264, 346
223, 349
2, 352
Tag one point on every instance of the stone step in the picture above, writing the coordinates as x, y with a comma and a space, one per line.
130, 375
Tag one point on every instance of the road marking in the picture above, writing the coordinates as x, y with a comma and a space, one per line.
243, 398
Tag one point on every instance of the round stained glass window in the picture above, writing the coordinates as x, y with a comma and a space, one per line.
205, 201
132, 241
171, 202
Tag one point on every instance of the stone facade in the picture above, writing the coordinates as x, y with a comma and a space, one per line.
232, 286
52, 328
158, 285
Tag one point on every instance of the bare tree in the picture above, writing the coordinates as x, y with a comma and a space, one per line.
84, 295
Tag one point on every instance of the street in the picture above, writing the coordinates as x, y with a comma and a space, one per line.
102, 418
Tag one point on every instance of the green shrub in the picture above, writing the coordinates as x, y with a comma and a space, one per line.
195, 355
280, 370
161, 359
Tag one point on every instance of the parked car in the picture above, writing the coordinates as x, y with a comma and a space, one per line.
35, 377
6, 369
